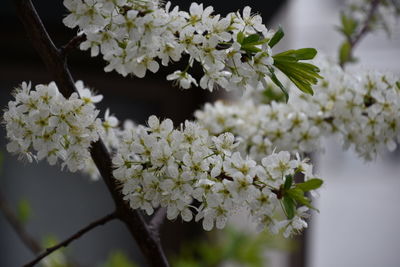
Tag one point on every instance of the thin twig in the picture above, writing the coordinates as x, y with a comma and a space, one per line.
75, 236
353, 41
157, 220
31, 243
72, 44
57, 66
18, 227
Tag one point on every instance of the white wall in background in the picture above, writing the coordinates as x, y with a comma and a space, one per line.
360, 203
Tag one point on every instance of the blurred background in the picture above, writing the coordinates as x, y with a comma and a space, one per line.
359, 207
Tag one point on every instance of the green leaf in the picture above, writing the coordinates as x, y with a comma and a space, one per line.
344, 53
49, 241
298, 195
288, 182
57, 258
309, 185
262, 41
303, 75
240, 37
24, 211
277, 37
271, 94
398, 85
290, 206
250, 49
119, 259
298, 54
276, 81
300, 74
248, 44
253, 38
349, 25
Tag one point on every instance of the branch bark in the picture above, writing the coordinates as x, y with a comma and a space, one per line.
18, 227
75, 236
72, 44
57, 66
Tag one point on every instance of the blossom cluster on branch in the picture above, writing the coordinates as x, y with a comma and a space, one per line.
361, 17
42, 123
134, 36
158, 165
162, 166
386, 15
360, 108
233, 157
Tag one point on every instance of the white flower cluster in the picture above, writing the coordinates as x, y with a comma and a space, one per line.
135, 35
42, 123
162, 166
158, 166
386, 15
361, 108
262, 128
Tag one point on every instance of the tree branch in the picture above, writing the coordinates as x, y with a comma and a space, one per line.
58, 68
72, 44
18, 227
366, 27
353, 41
75, 236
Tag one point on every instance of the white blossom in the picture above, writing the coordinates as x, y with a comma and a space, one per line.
136, 36
160, 166
42, 123
359, 108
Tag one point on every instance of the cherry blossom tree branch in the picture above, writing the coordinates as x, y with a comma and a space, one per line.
72, 44
57, 66
18, 227
354, 40
366, 27
75, 236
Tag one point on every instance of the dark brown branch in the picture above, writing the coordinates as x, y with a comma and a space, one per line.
353, 41
75, 236
72, 44
18, 227
157, 220
57, 66
367, 23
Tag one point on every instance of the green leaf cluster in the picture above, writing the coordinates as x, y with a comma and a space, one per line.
294, 194
398, 85
348, 26
249, 43
232, 245
303, 75
58, 257
118, 259
270, 93
24, 211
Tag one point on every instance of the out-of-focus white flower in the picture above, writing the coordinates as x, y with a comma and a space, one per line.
360, 108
